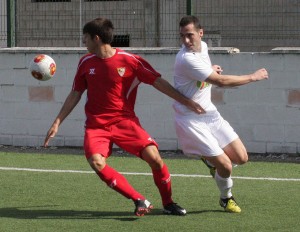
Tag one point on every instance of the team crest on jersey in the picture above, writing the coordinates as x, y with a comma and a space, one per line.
202, 85
121, 71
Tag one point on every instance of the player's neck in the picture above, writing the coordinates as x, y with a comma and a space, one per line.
105, 51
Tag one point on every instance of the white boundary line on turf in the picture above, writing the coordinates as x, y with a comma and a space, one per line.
142, 174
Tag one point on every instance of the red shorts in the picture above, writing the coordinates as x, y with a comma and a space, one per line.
127, 134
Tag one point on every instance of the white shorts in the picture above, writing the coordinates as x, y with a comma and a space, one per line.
204, 135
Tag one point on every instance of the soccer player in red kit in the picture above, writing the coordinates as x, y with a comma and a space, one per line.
111, 77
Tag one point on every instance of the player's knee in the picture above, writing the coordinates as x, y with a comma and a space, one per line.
155, 162
151, 155
242, 159
97, 162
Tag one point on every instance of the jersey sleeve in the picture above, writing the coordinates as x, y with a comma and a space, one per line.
145, 72
79, 83
198, 66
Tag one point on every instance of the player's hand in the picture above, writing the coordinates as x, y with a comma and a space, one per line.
194, 106
260, 74
217, 68
50, 134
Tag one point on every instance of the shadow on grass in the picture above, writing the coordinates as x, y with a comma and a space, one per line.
23, 213
207, 211
38, 213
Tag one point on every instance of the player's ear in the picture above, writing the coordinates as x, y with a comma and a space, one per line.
97, 38
201, 32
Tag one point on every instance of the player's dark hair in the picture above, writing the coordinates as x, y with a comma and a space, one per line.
186, 20
101, 27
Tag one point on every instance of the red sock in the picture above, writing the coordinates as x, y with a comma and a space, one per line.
162, 179
119, 183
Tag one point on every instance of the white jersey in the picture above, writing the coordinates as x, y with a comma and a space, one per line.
191, 71
199, 134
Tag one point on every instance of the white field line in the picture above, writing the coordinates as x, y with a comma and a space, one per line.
143, 174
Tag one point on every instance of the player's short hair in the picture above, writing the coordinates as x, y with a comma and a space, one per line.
186, 20
102, 27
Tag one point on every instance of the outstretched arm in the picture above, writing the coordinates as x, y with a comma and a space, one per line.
69, 104
165, 87
232, 80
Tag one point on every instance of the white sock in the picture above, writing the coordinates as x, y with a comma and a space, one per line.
224, 185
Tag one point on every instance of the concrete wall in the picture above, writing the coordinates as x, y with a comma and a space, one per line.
246, 24
265, 114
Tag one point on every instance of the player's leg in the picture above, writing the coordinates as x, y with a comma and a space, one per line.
224, 182
130, 136
112, 178
236, 152
201, 137
229, 141
222, 164
162, 179
119, 183
97, 149
223, 174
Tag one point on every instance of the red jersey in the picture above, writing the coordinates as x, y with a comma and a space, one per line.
111, 85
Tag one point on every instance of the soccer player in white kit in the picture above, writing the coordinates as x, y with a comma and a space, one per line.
207, 135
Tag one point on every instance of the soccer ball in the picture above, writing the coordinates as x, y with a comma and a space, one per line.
42, 67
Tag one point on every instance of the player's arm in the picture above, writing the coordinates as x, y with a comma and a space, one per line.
233, 80
69, 104
165, 87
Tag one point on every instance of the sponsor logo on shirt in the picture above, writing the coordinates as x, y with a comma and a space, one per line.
121, 71
202, 85
92, 71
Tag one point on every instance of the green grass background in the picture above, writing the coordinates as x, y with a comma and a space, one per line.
37, 201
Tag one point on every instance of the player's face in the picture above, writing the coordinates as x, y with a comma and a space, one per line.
89, 43
191, 37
